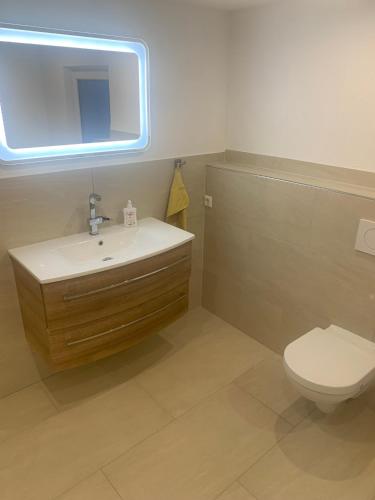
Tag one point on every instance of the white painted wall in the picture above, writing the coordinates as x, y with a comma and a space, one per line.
187, 56
302, 81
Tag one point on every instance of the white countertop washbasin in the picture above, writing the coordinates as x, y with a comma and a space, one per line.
82, 254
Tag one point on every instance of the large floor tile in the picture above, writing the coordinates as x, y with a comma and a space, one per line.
24, 409
198, 455
73, 387
324, 458
214, 353
268, 383
44, 462
235, 492
96, 487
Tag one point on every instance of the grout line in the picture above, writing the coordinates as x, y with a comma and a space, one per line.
249, 492
238, 478
110, 482
158, 404
74, 485
175, 419
20, 390
278, 441
203, 398
49, 396
270, 450
85, 479
231, 484
263, 455
268, 408
131, 448
28, 427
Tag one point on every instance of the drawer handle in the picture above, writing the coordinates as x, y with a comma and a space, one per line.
68, 298
126, 325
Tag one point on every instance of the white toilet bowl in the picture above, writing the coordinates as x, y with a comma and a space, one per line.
330, 366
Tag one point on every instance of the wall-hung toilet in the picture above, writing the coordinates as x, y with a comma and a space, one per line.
330, 366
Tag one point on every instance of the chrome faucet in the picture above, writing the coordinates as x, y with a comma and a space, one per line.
95, 220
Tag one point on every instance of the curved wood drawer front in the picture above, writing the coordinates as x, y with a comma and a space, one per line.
88, 298
77, 321
115, 333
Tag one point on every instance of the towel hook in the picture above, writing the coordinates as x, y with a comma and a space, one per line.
179, 163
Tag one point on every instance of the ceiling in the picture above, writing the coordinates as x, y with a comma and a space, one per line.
225, 4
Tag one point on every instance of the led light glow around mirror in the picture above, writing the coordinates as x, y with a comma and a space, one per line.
20, 155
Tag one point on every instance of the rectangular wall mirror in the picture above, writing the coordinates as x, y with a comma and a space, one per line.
66, 95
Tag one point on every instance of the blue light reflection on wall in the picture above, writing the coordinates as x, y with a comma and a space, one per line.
12, 155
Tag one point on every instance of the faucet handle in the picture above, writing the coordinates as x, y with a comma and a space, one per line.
95, 197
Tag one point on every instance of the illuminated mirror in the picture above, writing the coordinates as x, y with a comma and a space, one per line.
66, 95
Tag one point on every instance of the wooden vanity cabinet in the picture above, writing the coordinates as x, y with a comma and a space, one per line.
80, 320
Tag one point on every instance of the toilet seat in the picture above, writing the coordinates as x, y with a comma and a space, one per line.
332, 361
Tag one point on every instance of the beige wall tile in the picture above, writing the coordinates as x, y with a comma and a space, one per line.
96, 487
285, 262
199, 454
288, 212
287, 271
18, 368
305, 168
196, 226
335, 221
196, 284
226, 248
246, 307
26, 203
235, 492
46, 206
47, 460
223, 296
324, 457
33, 208
24, 409
194, 173
216, 354
237, 198
146, 184
271, 207
267, 382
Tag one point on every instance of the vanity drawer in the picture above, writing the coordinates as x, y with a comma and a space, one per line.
81, 300
105, 336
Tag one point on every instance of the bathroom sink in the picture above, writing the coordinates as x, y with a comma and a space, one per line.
109, 245
82, 254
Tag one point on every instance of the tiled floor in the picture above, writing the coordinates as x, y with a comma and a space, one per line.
199, 412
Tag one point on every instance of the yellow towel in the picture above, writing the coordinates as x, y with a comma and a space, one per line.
178, 202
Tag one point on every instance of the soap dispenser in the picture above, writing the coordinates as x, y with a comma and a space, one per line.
130, 215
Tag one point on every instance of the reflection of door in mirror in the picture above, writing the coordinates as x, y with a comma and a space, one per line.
94, 107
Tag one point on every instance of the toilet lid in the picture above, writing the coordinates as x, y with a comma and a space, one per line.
331, 361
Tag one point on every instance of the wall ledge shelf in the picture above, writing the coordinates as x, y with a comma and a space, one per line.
283, 175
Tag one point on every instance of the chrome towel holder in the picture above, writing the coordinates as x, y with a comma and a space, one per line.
179, 163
